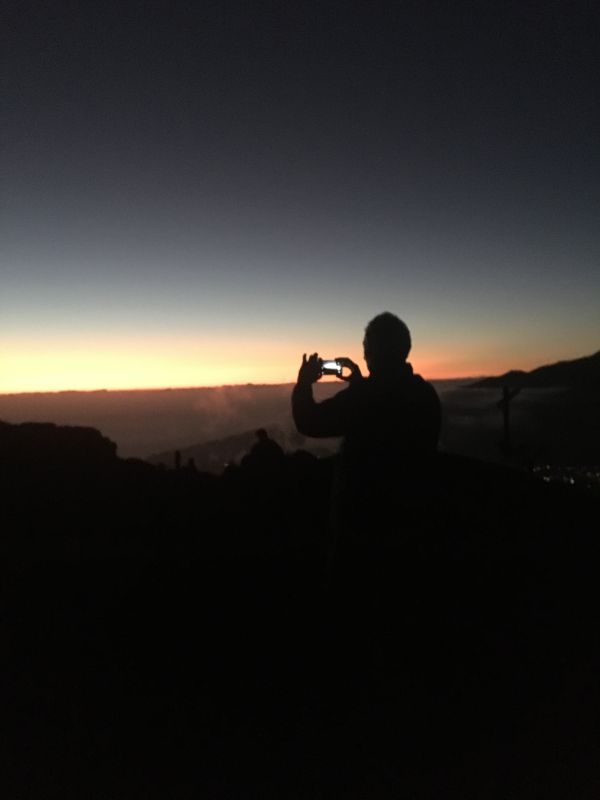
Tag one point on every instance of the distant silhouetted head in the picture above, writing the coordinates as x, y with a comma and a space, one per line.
387, 342
262, 435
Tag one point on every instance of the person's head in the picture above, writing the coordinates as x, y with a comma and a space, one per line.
387, 342
262, 435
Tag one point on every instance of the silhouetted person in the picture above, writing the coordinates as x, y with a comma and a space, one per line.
265, 459
390, 423
266, 450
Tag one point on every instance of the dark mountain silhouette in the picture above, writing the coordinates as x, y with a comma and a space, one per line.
581, 373
554, 414
160, 623
213, 456
39, 444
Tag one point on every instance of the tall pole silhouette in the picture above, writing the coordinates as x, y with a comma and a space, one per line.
508, 395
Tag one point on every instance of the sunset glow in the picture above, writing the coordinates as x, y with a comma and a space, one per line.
205, 214
92, 364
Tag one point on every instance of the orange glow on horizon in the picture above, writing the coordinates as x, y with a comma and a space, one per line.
153, 367
152, 363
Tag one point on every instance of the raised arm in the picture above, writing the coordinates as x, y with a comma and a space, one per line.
315, 419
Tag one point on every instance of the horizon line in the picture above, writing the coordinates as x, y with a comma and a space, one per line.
205, 386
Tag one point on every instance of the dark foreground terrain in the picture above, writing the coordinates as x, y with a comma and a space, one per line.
168, 634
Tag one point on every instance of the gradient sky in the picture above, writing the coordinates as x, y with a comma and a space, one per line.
196, 193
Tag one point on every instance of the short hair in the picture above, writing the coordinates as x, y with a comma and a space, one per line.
386, 335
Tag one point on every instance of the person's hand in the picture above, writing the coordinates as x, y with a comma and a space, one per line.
310, 369
355, 373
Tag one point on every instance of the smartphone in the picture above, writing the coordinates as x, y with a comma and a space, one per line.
329, 366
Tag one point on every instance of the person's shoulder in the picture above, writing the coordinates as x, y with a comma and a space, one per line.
425, 383
425, 386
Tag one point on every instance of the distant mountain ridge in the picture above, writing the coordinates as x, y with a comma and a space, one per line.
214, 455
580, 373
45, 444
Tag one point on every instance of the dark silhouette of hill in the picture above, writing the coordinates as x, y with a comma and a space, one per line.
212, 456
555, 426
554, 415
173, 633
581, 373
45, 444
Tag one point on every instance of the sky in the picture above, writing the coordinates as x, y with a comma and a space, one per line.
196, 193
